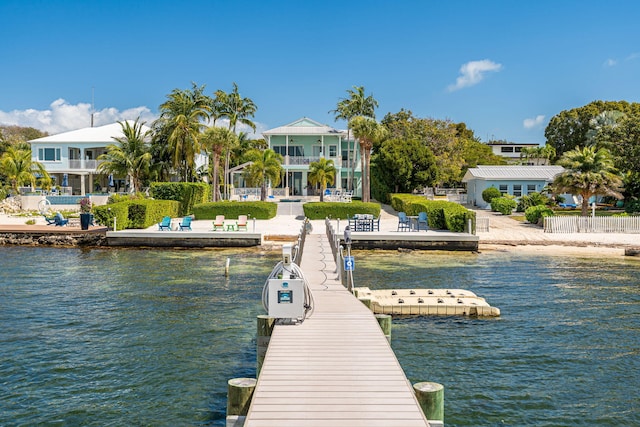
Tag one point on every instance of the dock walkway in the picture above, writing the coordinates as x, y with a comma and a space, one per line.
336, 368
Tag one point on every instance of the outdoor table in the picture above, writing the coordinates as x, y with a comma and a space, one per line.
230, 226
413, 221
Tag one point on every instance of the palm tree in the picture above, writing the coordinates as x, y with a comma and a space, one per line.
180, 124
18, 167
266, 166
131, 155
367, 131
216, 140
236, 109
357, 104
589, 173
322, 172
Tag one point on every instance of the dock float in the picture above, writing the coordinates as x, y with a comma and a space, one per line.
446, 302
335, 369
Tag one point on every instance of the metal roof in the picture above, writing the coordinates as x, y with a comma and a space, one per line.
547, 173
304, 126
99, 134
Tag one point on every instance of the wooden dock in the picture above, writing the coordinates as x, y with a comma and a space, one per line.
336, 368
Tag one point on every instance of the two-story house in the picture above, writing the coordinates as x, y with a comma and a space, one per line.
71, 158
305, 141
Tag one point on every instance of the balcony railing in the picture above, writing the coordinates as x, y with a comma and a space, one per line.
84, 164
306, 160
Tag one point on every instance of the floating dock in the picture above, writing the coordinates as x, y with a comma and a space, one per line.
445, 302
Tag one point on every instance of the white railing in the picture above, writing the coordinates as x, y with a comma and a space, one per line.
589, 224
482, 224
84, 164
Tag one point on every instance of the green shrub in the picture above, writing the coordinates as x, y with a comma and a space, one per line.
117, 198
257, 209
534, 214
322, 210
632, 206
504, 205
188, 194
135, 214
490, 193
531, 199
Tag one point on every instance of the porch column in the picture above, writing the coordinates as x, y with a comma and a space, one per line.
82, 185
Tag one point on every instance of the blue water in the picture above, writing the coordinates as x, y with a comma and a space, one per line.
150, 337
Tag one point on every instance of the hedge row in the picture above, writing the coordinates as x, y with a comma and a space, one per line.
258, 210
188, 194
443, 215
322, 210
139, 214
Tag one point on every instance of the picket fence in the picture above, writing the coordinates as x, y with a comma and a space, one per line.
588, 224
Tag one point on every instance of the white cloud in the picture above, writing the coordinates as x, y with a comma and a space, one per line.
63, 117
633, 56
610, 63
474, 72
535, 122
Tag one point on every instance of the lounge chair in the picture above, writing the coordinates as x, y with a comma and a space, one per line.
423, 221
242, 222
165, 224
404, 222
218, 224
50, 220
185, 224
60, 221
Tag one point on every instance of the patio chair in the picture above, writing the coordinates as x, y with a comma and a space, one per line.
218, 224
404, 222
242, 222
185, 224
60, 220
165, 224
50, 220
375, 225
423, 221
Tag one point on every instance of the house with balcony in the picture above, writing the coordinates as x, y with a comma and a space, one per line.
71, 159
305, 141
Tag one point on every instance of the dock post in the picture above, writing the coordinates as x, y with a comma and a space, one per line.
431, 398
239, 394
366, 302
384, 320
265, 329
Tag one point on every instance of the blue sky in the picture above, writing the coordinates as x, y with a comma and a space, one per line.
502, 67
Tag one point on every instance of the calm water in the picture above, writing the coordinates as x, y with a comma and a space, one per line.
134, 337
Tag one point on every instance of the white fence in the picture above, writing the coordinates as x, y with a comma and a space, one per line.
588, 224
482, 224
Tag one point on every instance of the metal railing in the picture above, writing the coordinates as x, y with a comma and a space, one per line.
302, 237
590, 224
345, 277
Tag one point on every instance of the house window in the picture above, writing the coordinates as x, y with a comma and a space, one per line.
531, 188
506, 149
503, 188
49, 154
518, 149
333, 150
296, 150
280, 149
517, 190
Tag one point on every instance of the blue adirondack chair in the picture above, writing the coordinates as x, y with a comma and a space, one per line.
50, 220
404, 222
165, 224
423, 221
59, 220
185, 224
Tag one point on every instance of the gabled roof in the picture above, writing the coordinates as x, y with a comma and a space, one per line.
547, 173
99, 134
304, 126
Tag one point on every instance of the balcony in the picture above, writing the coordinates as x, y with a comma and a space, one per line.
84, 164
306, 160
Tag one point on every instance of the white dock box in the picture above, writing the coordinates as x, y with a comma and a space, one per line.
286, 298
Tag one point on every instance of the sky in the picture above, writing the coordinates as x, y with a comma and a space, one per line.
504, 68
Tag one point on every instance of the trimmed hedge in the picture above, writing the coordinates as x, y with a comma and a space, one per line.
504, 205
322, 210
188, 194
490, 193
138, 214
443, 215
535, 213
258, 210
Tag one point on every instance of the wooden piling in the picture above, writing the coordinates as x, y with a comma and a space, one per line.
366, 301
384, 320
265, 329
239, 394
431, 398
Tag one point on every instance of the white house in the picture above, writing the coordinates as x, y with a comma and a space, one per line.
510, 150
514, 180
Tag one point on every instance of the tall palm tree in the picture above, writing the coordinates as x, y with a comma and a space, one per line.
322, 172
357, 104
368, 132
19, 169
266, 166
131, 155
182, 120
216, 140
589, 173
237, 110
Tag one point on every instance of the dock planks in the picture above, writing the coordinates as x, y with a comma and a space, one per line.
336, 368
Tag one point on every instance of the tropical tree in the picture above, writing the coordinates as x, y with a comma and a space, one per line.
588, 173
539, 154
130, 155
368, 132
217, 140
356, 104
19, 169
322, 172
266, 166
181, 122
